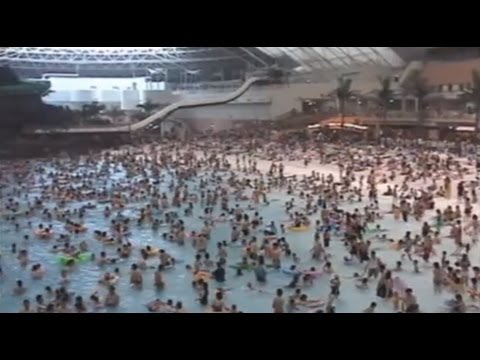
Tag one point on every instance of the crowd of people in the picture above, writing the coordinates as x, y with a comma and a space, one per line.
374, 219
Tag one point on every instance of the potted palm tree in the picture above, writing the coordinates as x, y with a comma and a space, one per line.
343, 93
416, 85
382, 97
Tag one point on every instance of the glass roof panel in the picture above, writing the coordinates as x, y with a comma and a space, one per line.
336, 57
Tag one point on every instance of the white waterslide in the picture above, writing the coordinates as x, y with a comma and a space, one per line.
162, 114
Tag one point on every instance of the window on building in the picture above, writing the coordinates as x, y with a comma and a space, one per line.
450, 87
461, 87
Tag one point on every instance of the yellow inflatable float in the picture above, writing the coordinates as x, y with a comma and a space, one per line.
152, 251
299, 228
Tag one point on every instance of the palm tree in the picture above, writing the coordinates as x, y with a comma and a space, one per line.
417, 86
472, 95
52, 116
47, 92
278, 75
115, 113
96, 108
343, 93
382, 98
148, 107
92, 110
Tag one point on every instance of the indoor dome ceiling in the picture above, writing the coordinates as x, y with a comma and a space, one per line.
335, 58
230, 61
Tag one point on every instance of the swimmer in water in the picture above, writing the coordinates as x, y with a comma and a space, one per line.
371, 308
112, 299
136, 277
151, 187
158, 281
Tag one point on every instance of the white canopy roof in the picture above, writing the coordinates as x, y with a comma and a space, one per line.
335, 58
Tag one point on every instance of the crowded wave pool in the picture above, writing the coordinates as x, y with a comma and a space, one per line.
201, 229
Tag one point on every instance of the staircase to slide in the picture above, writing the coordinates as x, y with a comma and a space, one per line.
160, 115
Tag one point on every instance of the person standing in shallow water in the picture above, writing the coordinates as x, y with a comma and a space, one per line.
278, 304
112, 299
370, 309
448, 187
438, 277
259, 270
219, 273
385, 285
410, 304
215, 183
203, 294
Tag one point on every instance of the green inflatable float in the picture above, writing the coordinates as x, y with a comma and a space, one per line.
80, 259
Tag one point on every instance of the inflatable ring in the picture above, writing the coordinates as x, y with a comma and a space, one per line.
244, 267
299, 229
202, 275
237, 244
177, 261
313, 273
450, 303
153, 252
289, 271
375, 231
81, 259
16, 214
112, 281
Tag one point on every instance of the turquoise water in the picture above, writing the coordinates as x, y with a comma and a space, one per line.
84, 278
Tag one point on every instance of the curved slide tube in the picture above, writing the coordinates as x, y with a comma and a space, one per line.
162, 114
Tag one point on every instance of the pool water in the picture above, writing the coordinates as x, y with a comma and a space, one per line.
85, 277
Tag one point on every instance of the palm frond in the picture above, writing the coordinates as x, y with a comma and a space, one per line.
417, 85
343, 90
385, 93
148, 107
